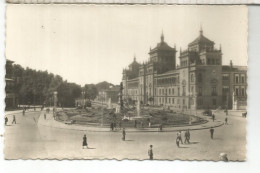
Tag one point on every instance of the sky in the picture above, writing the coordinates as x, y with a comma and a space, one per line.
93, 43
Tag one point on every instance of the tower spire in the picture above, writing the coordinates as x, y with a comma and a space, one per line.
201, 30
162, 37
134, 57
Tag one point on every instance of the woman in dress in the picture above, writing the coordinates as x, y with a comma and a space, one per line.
85, 142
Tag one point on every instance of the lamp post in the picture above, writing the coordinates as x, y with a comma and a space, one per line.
55, 93
190, 99
83, 98
195, 103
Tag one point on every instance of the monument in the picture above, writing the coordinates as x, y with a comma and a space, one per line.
109, 104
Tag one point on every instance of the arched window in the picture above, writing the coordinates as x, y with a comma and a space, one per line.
191, 77
200, 77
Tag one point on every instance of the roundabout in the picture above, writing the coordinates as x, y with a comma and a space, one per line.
99, 119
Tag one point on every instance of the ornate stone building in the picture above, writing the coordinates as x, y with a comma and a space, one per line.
200, 82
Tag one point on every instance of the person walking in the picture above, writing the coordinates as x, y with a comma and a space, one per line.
226, 112
85, 144
179, 136
161, 127
23, 112
6, 120
45, 116
211, 132
123, 133
213, 117
112, 126
178, 142
135, 123
14, 119
187, 137
226, 119
150, 152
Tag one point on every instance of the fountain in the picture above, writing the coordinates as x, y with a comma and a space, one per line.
138, 113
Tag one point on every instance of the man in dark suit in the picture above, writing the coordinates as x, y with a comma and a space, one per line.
211, 132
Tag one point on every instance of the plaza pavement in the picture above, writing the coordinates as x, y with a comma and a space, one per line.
30, 140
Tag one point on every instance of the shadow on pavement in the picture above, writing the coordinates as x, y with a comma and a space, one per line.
194, 142
184, 147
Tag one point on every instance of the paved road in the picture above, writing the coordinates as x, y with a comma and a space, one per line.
29, 140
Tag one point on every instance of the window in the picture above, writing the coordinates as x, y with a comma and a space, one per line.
237, 91
192, 78
155, 92
192, 90
200, 91
169, 100
184, 90
200, 102
243, 91
172, 100
178, 91
160, 92
225, 76
214, 92
183, 101
200, 77
237, 79
172, 91
225, 90
169, 91
163, 92
209, 61
213, 61
243, 79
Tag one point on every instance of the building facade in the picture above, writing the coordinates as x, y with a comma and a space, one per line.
111, 93
199, 82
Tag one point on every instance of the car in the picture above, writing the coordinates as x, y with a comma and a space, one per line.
69, 122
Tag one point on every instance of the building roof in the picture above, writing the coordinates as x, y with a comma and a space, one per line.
115, 88
234, 68
134, 63
162, 45
168, 73
201, 39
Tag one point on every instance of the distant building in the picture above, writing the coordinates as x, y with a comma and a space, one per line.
200, 82
11, 100
112, 93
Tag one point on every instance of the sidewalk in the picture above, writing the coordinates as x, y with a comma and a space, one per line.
50, 122
20, 111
